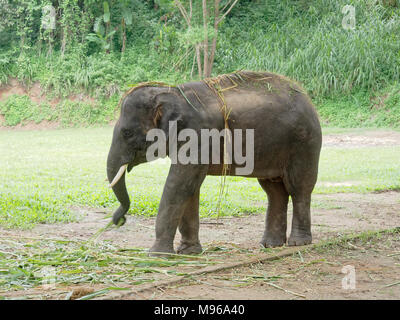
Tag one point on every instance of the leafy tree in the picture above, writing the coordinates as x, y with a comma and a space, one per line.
212, 13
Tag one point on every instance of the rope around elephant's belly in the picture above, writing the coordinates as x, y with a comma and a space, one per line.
215, 85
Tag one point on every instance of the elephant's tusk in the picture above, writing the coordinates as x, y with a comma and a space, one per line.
118, 176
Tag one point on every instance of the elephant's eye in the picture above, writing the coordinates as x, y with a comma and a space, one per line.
127, 133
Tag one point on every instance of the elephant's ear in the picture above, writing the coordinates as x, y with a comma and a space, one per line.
166, 109
157, 114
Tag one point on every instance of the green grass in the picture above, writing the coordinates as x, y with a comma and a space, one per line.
45, 174
359, 170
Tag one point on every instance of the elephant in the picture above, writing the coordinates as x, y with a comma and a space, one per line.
286, 148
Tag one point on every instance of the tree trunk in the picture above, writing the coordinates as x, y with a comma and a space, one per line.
198, 56
50, 51
214, 43
63, 42
206, 66
123, 36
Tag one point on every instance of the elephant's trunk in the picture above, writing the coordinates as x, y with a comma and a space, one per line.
117, 173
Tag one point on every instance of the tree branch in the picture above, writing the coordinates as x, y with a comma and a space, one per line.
226, 5
183, 11
227, 11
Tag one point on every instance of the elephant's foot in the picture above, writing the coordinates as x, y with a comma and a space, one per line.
189, 248
161, 249
271, 242
299, 238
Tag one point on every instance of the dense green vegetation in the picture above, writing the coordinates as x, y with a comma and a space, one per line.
102, 47
46, 174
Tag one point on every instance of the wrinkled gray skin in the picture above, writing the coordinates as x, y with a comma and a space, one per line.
287, 146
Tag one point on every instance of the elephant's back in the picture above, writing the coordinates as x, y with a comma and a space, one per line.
250, 93
267, 102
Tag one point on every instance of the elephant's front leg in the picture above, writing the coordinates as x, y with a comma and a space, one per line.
183, 183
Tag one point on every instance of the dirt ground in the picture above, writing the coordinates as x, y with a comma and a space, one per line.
299, 274
313, 275
366, 139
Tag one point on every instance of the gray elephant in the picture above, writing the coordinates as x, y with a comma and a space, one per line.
286, 148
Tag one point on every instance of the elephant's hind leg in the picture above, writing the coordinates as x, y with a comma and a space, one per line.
189, 227
301, 222
300, 181
276, 220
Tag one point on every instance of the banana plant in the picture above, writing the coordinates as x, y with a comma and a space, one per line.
102, 26
102, 34
101, 39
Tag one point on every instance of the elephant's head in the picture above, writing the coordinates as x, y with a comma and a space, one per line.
143, 109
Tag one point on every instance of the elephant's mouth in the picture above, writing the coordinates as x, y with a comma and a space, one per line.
137, 158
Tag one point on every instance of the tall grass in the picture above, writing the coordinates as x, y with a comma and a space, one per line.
308, 43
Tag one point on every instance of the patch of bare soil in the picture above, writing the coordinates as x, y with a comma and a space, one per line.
236, 239
371, 138
13, 87
355, 270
